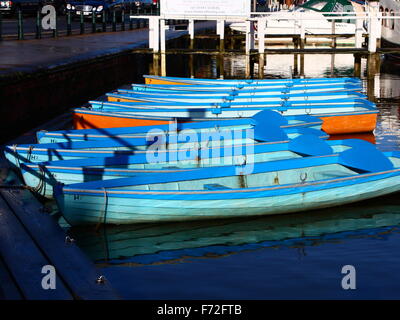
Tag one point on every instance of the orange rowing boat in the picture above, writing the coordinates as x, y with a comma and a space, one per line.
334, 123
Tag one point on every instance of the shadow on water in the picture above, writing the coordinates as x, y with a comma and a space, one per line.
145, 244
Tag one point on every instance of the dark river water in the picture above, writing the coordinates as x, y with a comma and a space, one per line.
295, 256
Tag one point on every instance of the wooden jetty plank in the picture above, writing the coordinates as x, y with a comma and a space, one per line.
71, 264
24, 258
8, 287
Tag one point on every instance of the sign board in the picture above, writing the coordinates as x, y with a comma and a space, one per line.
205, 8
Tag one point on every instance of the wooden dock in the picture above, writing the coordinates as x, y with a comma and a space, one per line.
30, 239
232, 52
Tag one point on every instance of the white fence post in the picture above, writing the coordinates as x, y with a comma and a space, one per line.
261, 24
191, 29
221, 33
379, 27
372, 26
151, 33
358, 37
372, 34
221, 28
302, 31
248, 26
249, 36
162, 36
154, 34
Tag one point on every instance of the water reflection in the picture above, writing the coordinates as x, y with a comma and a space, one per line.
370, 137
166, 243
247, 66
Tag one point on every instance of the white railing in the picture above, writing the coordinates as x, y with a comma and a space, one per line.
371, 19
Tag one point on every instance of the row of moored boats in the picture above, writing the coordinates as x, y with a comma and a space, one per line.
178, 149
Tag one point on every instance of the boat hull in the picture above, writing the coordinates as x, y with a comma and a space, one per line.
136, 208
176, 98
248, 83
390, 27
188, 82
42, 178
341, 123
162, 81
93, 121
344, 124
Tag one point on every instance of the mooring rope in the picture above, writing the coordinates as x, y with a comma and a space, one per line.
41, 183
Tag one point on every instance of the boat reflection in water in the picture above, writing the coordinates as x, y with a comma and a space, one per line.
370, 137
137, 245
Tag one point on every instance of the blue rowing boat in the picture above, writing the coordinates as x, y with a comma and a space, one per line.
274, 187
339, 117
42, 177
284, 106
202, 90
162, 80
114, 145
264, 118
188, 99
